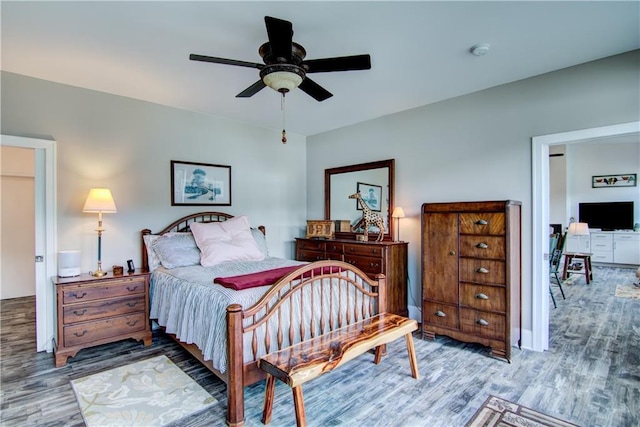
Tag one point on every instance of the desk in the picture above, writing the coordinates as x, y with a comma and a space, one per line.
587, 271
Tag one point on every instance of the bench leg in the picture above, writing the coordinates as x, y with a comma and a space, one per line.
412, 355
379, 353
298, 401
268, 399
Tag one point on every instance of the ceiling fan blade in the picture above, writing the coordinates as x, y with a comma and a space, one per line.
342, 63
280, 34
252, 90
314, 90
225, 61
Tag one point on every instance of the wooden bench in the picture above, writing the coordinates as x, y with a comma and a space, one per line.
302, 362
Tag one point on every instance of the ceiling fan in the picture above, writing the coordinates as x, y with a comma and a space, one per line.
284, 66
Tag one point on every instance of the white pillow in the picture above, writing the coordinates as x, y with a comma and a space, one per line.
152, 257
176, 250
230, 240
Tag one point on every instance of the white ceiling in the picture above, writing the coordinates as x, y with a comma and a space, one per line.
419, 50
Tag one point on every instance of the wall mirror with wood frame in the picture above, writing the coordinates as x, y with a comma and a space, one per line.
374, 180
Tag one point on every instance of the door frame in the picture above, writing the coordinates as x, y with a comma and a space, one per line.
540, 216
45, 233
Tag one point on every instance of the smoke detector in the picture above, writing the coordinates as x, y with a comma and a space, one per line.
480, 49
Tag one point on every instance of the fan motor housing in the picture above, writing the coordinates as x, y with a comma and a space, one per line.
297, 54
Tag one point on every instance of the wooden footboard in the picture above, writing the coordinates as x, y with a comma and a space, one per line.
311, 301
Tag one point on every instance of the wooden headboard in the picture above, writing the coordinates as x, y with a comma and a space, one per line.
182, 225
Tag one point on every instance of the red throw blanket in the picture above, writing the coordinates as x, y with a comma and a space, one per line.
263, 278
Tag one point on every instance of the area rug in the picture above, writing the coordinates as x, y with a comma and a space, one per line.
628, 291
499, 412
151, 392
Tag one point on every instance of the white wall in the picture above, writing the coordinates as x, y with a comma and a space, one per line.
126, 145
558, 186
585, 160
478, 146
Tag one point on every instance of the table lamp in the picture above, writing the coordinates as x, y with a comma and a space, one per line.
579, 229
398, 213
99, 201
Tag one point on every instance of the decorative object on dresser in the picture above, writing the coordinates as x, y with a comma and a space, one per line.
200, 184
398, 213
373, 258
99, 201
320, 229
369, 217
471, 273
98, 310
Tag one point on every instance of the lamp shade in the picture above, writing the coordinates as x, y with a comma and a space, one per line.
398, 212
99, 200
579, 229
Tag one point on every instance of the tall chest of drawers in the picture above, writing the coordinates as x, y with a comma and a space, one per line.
388, 258
471, 279
98, 310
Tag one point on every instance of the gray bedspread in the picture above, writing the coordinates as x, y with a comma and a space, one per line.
187, 303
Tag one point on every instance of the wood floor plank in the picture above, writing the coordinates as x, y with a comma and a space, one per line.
589, 376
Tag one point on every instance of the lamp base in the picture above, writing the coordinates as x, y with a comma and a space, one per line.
99, 272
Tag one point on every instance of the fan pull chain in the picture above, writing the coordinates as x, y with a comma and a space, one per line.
284, 132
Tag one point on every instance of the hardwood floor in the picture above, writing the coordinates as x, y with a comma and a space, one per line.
590, 375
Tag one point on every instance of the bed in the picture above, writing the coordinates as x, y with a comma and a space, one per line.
259, 306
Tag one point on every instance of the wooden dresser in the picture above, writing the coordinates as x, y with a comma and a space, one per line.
98, 310
388, 258
471, 273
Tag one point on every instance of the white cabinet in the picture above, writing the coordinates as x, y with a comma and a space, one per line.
601, 247
626, 248
577, 244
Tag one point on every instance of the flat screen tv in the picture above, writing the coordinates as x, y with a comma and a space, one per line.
607, 216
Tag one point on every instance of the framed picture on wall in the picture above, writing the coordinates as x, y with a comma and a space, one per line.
608, 181
371, 195
197, 184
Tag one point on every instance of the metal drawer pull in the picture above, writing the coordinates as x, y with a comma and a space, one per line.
482, 245
132, 304
132, 324
452, 252
482, 296
481, 222
374, 251
80, 335
75, 295
79, 314
134, 288
482, 322
373, 264
482, 270
440, 314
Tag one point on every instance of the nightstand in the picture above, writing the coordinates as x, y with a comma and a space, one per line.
99, 310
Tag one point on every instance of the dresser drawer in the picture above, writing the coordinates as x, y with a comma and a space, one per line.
369, 265
482, 271
490, 224
489, 325
83, 333
441, 315
311, 245
335, 247
366, 250
481, 297
116, 288
492, 247
103, 308
310, 256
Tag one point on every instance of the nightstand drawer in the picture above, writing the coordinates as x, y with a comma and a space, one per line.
101, 309
116, 288
83, 333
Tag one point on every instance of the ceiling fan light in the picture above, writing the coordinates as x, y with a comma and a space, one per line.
282, 77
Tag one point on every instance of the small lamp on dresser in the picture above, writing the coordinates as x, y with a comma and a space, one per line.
398, 213
99, 201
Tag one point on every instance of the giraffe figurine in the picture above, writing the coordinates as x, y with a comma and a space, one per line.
369, 217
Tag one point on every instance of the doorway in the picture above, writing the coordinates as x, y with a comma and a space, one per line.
540, 216
45, 233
